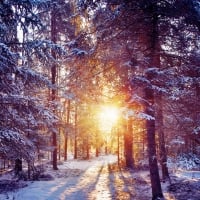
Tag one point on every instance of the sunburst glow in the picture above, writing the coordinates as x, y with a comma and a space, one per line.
108, 117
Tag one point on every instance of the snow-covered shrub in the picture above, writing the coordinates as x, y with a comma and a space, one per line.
185, 161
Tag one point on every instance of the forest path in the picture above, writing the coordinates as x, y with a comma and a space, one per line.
99, 179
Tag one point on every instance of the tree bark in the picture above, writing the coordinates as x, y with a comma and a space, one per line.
87, 149
75, 134
158, 101
53, 80
128, 145
118, 147
149, 96
18, 166
66, 133
153, 164
97, 144
156, 62
161, 138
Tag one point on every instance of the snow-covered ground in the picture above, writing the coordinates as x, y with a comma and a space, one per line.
75, 179
99, 179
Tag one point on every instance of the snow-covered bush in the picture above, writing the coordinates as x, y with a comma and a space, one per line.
185, 161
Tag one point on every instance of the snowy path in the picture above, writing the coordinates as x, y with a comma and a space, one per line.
96, 182
98, 179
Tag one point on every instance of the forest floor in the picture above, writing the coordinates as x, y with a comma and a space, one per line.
98, 179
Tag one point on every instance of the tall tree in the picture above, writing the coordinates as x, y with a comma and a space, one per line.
53, 80
22, 113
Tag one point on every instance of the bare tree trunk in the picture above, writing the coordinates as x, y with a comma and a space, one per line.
53, 80
153, 164
97, 152
18, 166
161, 137
97, 144
59, 143
75, 134
87, 149
158, 101
128, 145
29, 170
149, 96
66, 133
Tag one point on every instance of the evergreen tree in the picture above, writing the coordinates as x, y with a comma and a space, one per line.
23, 115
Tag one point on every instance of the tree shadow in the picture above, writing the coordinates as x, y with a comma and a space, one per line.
125, 184
185, 189
78, 187
118, 183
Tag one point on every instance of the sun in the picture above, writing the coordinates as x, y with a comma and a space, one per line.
108, 116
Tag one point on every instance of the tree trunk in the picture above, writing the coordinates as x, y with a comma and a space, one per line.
118, 147
153, 36
66, 133
75, 134
54, 143
18, 166
158, 100
97, 152
53, 80
161, 137
65, 146
87, 149
128, 145
29, 171
97, 144
59, 143
153, 165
